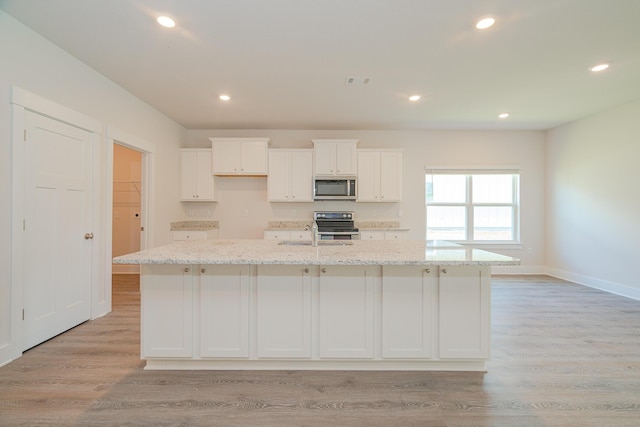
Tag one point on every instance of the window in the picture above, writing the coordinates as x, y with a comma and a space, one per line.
473, 206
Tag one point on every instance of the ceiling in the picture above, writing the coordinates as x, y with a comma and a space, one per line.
285, 63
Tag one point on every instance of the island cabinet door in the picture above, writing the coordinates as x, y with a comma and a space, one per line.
465, 303
283, 305
166, 311
347, 302
409, 298
224, 311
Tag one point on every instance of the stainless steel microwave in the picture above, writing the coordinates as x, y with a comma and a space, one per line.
342, 188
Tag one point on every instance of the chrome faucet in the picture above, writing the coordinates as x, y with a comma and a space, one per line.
314, 232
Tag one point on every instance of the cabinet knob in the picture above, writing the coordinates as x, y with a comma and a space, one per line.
186, 269
427, 270
444, 271
306, 270
324, 270
88, 236
202, 270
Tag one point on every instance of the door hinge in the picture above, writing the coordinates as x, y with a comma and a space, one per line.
25, 135
23, 314
24, 225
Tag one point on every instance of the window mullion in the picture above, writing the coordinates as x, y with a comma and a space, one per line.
469, 208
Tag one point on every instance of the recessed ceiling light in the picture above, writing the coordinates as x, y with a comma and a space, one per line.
414, 97
485, 23
165, 21
225, 97
503, 115
599, 67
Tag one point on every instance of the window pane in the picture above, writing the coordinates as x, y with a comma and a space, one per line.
446, 223
493, 223
492, 188
446, 188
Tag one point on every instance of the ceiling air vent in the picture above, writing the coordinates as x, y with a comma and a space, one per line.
356, 80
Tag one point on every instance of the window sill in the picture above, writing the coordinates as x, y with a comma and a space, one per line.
492, 245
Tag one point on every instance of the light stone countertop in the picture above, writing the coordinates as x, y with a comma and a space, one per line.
292, 225
194, 225
356, 252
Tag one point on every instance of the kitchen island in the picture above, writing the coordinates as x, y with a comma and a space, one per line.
359, 305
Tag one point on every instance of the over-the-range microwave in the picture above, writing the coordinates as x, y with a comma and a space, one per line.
334, 188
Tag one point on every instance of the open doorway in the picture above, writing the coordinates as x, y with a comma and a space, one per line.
127, 205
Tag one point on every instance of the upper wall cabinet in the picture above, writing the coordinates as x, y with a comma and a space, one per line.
335, 157
239, 156
290, 176
379, 175
197, 180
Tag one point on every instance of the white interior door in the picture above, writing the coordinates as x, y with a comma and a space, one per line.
57, 254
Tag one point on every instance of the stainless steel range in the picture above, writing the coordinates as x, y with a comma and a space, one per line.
336, 226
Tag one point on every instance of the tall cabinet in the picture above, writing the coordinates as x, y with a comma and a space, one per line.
197, 178
379, 175
290, 177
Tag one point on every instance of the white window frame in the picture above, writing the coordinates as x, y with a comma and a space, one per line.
469, 205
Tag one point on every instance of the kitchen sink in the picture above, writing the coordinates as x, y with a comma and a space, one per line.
320, 242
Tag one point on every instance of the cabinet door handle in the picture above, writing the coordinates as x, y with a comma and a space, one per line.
324, 270
444, 271
306, 270
186, 269
203, 271
427, 270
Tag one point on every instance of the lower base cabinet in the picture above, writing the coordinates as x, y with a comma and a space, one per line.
409, 306
223, 305
322, 314
347, 305
465, 305
166, 311
283, 311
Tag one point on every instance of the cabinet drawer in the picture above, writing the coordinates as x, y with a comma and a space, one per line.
372, 235
193, 235
277, 235
396, 235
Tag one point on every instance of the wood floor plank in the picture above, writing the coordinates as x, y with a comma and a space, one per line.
562, 355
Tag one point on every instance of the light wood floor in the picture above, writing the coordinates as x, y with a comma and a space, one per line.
562, 355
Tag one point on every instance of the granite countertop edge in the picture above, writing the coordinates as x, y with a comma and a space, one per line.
271, 252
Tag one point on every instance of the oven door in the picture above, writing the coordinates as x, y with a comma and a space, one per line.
339, 235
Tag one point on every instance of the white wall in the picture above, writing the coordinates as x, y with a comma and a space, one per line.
243, 210
36, 65
593, 200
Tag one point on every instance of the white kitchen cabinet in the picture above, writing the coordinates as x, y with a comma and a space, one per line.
290, 177
409, 304
283, 310
224, 311
464, 305
384, 234
287, 235
347, 304
197, 178
379, 175
166, 311
239, 156
335, 157
178, 235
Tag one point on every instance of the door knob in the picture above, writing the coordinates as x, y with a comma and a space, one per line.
88, 236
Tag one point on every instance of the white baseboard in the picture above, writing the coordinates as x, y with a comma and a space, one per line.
518, 269
592, 282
